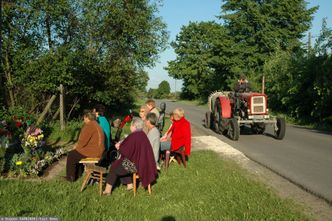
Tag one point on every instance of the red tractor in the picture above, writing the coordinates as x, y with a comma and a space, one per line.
228, 111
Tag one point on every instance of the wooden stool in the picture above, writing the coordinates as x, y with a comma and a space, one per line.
177, 154
93, 172
135, 177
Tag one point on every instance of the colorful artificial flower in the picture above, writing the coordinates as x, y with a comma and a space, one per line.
19, 163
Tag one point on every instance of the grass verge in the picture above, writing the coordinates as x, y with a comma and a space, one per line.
68, 135
209, 189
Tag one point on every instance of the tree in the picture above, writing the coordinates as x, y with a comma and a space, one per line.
300, 83
152, 93
204, 52
211, 56
97, 49
163, 90
122, 37
261, 27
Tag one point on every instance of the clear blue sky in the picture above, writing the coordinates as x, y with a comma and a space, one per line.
176, 13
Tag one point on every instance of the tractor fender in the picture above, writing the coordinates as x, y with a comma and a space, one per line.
225, 107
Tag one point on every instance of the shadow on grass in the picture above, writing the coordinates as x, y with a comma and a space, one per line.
24, 212
56, 142
168, 218
74, 136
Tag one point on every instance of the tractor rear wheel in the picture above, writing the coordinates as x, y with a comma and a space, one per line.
280, 128
233, 131
217, 117
208, 119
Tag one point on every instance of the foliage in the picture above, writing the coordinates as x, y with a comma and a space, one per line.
232, 195
34, 157
151, 93
259, 38
97, 49
14, 122
261, 27
30, 165
204, 53
2, 157
211, 56
300, 84
22, 147
163, 91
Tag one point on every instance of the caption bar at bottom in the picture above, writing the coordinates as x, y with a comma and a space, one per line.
29, 219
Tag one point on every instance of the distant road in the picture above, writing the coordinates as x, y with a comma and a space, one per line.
304, 156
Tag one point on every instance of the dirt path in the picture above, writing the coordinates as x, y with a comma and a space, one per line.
55, 170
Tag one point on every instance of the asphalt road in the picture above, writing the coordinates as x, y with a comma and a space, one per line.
304, 156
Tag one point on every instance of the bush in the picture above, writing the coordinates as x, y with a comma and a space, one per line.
2, 158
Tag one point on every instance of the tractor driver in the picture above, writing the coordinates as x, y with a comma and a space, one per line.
242, 85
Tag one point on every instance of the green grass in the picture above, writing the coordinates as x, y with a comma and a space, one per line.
209, 189
68, 135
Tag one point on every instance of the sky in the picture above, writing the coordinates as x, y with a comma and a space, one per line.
177, 13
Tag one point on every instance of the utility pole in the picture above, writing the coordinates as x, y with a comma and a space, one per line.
263, 84
175, 88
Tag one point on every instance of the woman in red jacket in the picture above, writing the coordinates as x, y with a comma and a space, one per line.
181, 133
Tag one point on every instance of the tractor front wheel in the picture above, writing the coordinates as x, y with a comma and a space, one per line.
280, 128
233, 129
208, 119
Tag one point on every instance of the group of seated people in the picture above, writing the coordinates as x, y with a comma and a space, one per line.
139, 151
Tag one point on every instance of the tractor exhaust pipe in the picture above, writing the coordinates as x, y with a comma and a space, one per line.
263, 84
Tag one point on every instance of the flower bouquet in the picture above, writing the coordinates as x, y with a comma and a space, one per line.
32, 139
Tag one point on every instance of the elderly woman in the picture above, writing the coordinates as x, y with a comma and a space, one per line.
90, 144
180, 134
143, 111
136, 156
